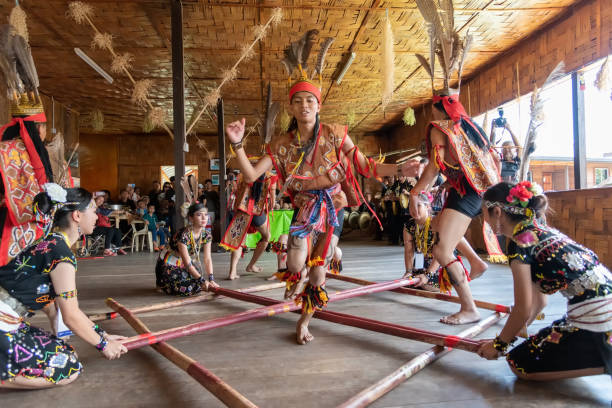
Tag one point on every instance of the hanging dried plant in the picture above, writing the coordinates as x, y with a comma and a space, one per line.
80, 12
157, 116
350, 118
103, 41
388, 63
260, 30
212, 98
229, 75
602, 80
409, 118
285, 119
147, 126
140, 93
277, 16
17, 20
247, 51
96, 118
122, 63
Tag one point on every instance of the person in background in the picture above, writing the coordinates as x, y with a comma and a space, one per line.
124, 199
510, 150
136, 194
141, 208
112, 235
156, 228
154, 193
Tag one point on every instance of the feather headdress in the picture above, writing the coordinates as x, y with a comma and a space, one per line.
445, 43
536, 119
272, 109
296, 54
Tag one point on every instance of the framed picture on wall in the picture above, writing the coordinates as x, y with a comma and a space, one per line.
215, 179
214, 164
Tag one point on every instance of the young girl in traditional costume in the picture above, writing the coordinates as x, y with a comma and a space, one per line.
41, 277
544, 261
179, 270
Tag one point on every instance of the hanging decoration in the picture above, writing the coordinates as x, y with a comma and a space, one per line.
388, 63
409, 118
602, 80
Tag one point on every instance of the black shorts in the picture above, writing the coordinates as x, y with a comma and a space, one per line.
468, 204
259, 220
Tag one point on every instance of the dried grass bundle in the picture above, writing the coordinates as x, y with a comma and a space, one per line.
212, 98
388, 63
122, 63
147, 126
602, 80
285, 119
229, 74
103, 41
157, 116
259, 31
80, 12
409, 119
247, 51
277, 16
17, 20
96, 119
140, 93
350, 118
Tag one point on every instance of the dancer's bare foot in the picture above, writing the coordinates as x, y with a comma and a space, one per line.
477, 268
461, 317
302, 335
271, 278
233, 276
254, 269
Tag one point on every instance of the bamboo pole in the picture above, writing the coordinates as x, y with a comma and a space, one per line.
219, 388
204, 297
385, 385
372, 325
423, 293
173, 333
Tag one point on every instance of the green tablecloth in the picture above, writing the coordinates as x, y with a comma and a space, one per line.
280, 221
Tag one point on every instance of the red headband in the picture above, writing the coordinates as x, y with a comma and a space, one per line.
305, 86
453, 107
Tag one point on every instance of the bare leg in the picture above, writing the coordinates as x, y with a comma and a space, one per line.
21, 382
259, 249
234, 258
297, 253
452, 226
408, 254
316, 277
477, 265
281, 257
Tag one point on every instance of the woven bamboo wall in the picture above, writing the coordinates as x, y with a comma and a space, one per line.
579, 37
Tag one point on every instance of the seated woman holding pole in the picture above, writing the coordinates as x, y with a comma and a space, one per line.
544, 261
178, 270
43, 277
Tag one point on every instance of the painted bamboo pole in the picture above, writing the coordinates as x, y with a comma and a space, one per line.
203, 297
385, 385
423, 293
219, 388
372, 325
173, 333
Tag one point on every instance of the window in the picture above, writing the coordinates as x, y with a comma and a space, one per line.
601, 174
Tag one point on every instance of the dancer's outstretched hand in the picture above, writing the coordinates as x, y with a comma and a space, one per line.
410, 168
235, 130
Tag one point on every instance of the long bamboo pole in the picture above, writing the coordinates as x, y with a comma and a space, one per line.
423, 293
372, 325
385, 385
204, 297
219, 388
173, 333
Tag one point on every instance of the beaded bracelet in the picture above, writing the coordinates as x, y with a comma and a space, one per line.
502, 346
102, 344
99, 330
211, 277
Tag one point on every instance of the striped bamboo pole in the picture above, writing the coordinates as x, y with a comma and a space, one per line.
203, 297
372, 325
423, 293
385, 385
220, 389
173, 333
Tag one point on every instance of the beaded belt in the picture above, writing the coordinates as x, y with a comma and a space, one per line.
588, 281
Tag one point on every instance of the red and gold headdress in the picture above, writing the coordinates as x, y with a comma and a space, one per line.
296, 56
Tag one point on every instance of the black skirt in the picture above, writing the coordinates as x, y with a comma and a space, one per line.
561, 347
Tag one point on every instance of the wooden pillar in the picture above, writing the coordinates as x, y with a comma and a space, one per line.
222, 170
579, 130
178, 107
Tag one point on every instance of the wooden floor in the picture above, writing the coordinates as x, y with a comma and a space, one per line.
261, 360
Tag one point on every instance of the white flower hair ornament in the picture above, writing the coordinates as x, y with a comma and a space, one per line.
56, 192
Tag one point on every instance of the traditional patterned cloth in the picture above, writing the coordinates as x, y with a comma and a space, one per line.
251, 200
34, 353
496, 255
25, 286
583, 338
171, 275
424, 238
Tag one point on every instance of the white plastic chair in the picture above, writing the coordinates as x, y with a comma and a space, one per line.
139, 236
